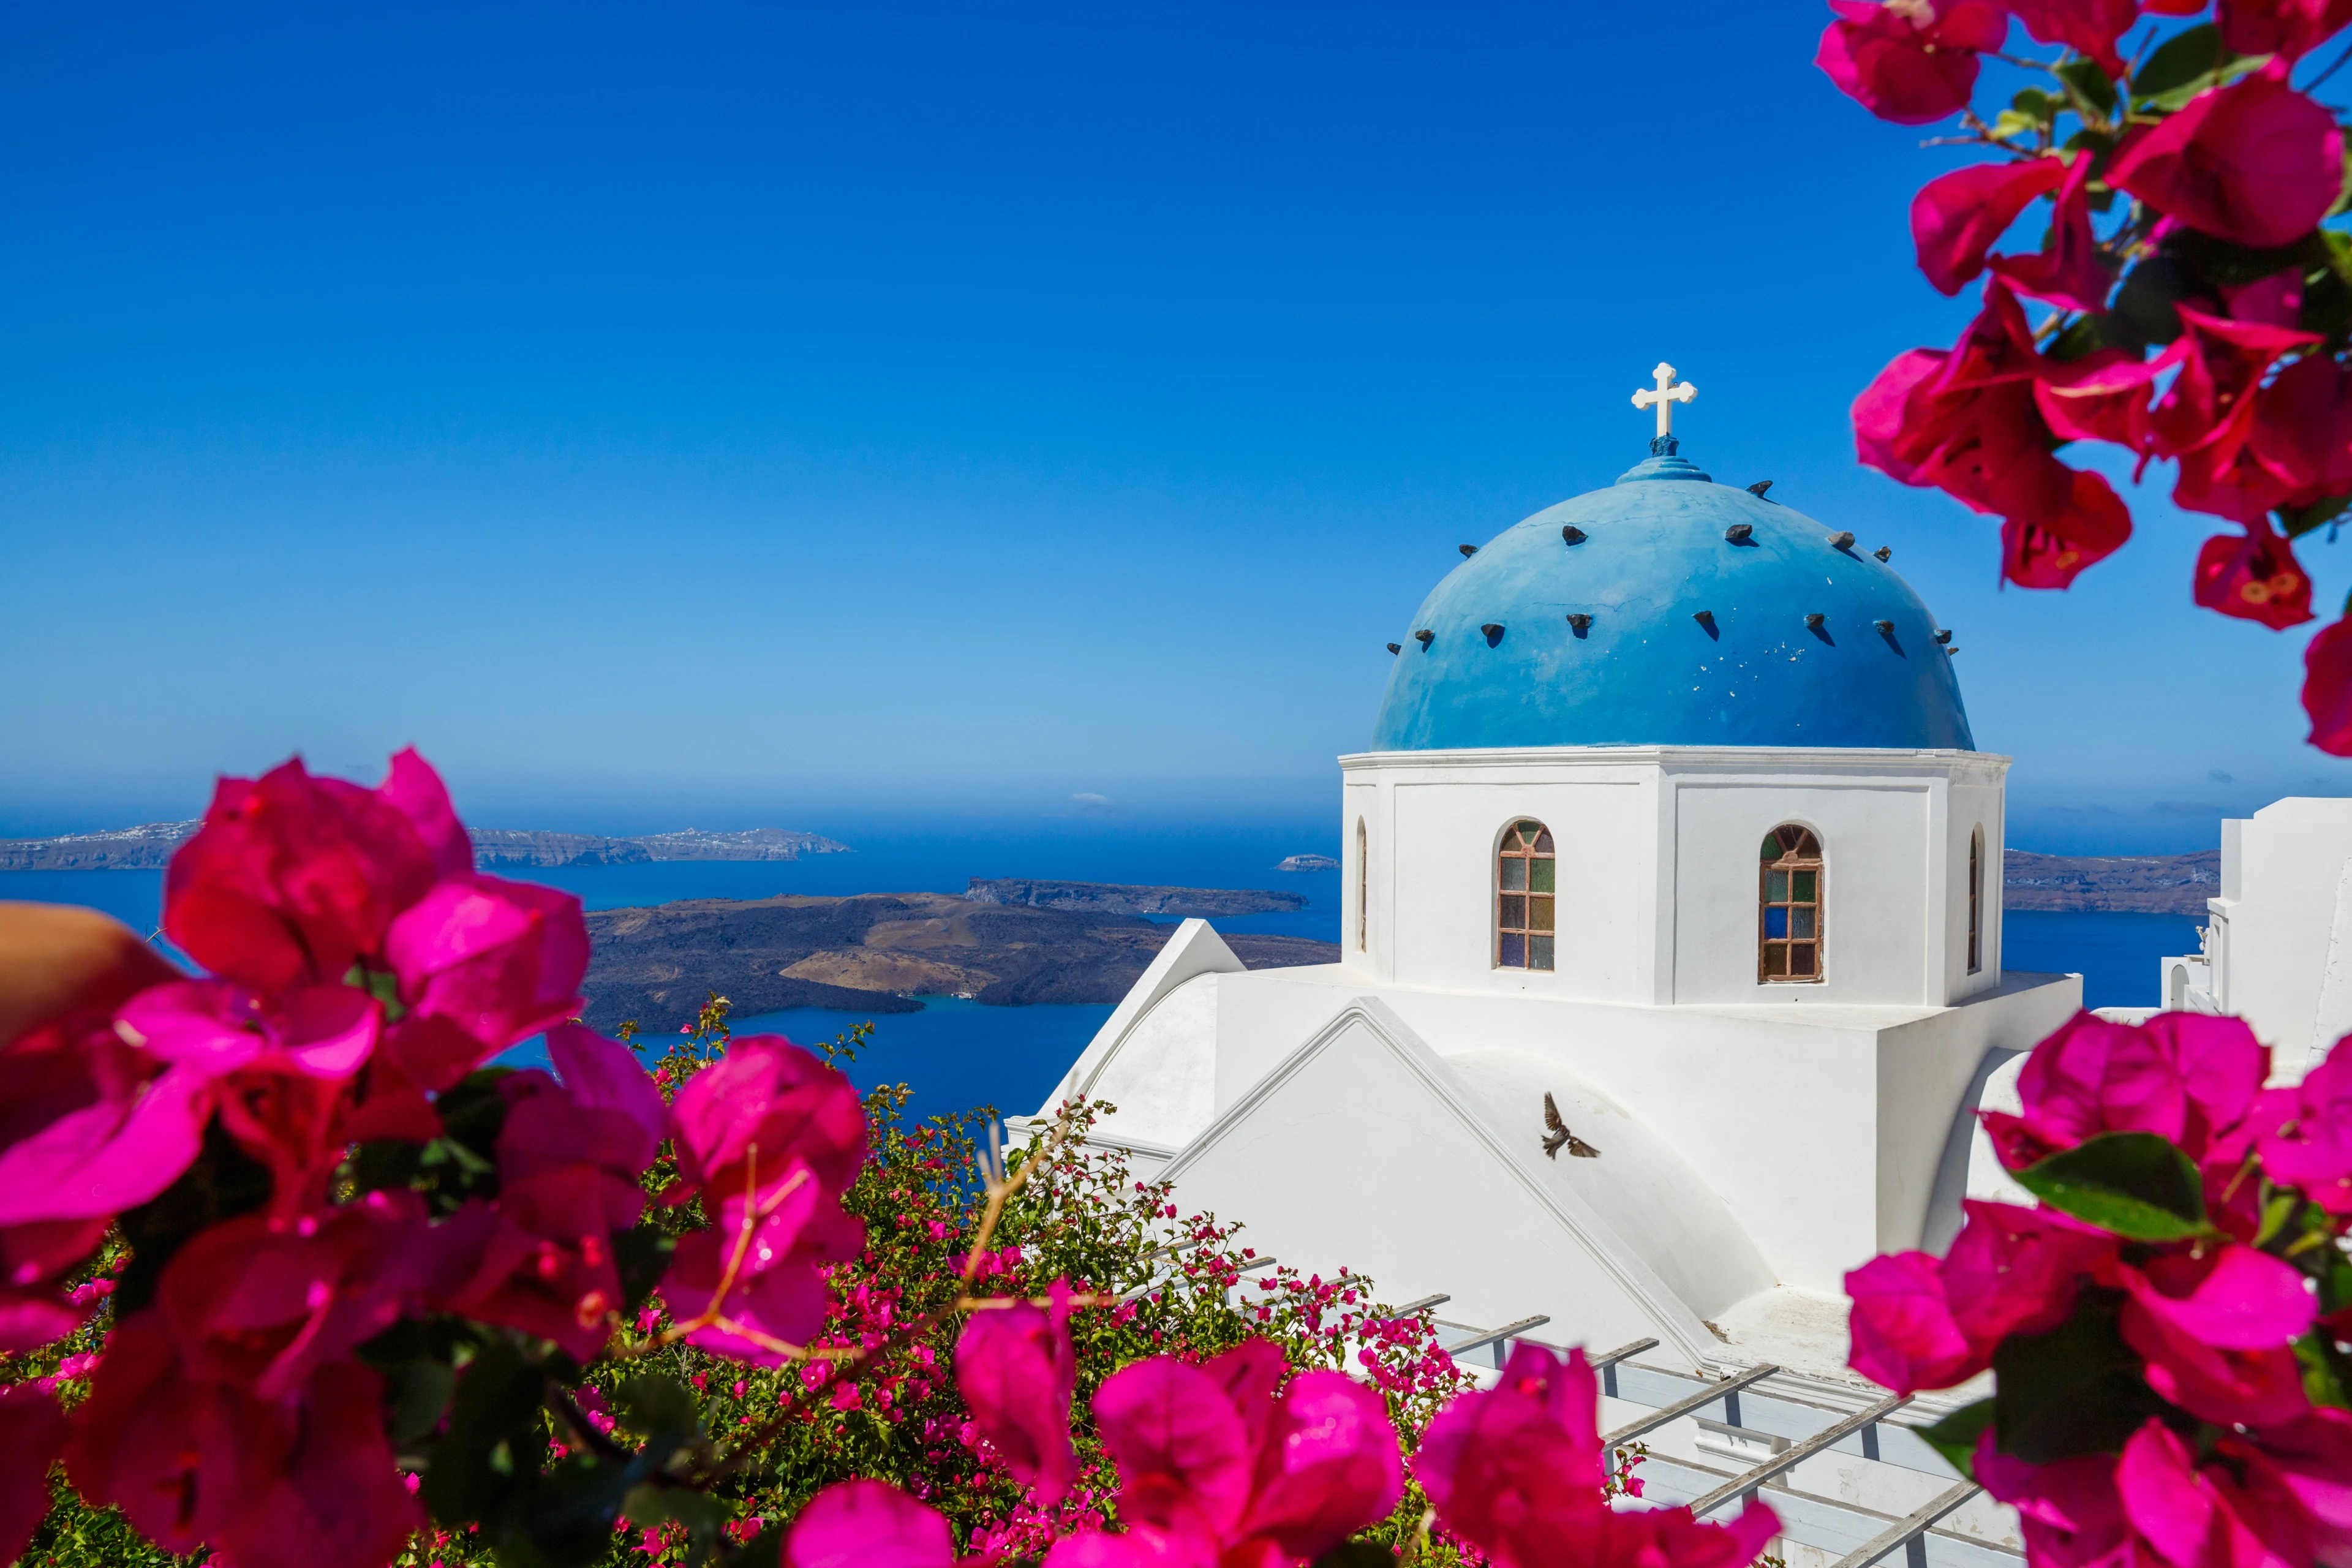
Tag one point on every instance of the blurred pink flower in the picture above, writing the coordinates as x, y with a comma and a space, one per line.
1017, 1372
869, 1524
1912, 61
1518, 1471
2257, 163
2185, 1076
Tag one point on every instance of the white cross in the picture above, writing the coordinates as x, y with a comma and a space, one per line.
1667, 393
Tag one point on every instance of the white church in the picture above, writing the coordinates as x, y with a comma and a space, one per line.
1672, 822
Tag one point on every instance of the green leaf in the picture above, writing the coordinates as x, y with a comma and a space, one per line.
2091, 85
2009, 122
1954, 1436
2150, 292
764, 1550
494, 1415
2324, 1372
2187, 57
657, 1402
416, 1392
2135, 1184
2277, 1209
642, 1254
2299, 521
2074, 1389
1357, 1554
2036, 104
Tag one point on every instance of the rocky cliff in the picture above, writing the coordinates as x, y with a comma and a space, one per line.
1125, 898
2131, 884
874, 951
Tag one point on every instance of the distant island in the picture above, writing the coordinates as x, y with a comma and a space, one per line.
149, 847
1123, 899
1308, 863
2125, 884
875, 952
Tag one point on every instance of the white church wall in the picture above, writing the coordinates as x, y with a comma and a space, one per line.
1875, 940
2279, 875
1365, 1149
1163, 1080
1778, 1108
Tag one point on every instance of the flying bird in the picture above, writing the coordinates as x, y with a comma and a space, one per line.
1560, 1134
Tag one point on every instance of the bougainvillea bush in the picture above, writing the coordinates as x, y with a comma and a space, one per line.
2194, 293
295, 1276
2166, 1327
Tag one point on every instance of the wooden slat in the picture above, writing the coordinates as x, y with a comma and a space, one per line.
1682, 1407
1900, 1533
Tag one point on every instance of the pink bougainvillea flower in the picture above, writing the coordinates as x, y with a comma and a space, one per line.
2257, 163
605, 1075
499, 960
2288, 28
1220, 1462
2215, 1332
37, 1435
869, 1524
549, 1125
2304, 1134
90, 1125
1911, 61
2327, 688
2253, 576
1017, 1372
2303, 1471
294, 878
259, 1303
2303, 430
2068, 271
2089, 27
213, 1029
33, 1260
2186, 1077
1905, 1336
2222, 364
1956, 217
764, 1111
2274, 302
307, 1477
754, 1280
2070, 1512
2016, 1270
1967, 422
1518, 1470
2190, 1512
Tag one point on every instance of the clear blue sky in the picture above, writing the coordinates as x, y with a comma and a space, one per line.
772, 414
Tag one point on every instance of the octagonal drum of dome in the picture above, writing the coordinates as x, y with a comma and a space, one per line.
1781, 637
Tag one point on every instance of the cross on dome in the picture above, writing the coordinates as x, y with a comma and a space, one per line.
1667, 392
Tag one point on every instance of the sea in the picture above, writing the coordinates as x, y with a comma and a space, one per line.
956, 1055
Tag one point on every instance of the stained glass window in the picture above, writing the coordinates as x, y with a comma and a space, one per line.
1788, 946
1523, 896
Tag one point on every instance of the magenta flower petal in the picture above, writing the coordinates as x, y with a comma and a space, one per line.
1331, 1466
605, 1075
2245, 1301
1183, 1449
109, 1155
412, 788
1905, 1337
36, 1437
500, 960
1956, 217
869, 1525
2016, 1270
1883, 59
1017, 1372
2257, 163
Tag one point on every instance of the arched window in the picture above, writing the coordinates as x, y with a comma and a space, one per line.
1788, 946
1523, 898
1976, 899
1363, 882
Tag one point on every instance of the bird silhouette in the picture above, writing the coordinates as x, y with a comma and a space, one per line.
1560, 1134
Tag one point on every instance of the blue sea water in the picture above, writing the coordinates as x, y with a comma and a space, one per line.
957, 1055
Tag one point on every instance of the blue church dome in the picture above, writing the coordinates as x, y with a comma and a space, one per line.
1632, 616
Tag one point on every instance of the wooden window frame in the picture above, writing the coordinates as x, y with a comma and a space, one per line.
1518, 850
1801, 855
1976, 899
1363, 884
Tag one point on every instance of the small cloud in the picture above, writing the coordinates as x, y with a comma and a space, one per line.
2218, 776
2186, 809
2086, 810
1084, 799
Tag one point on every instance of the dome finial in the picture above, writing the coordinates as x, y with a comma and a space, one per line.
1665, 396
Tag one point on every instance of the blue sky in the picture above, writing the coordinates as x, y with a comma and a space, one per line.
774, 415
